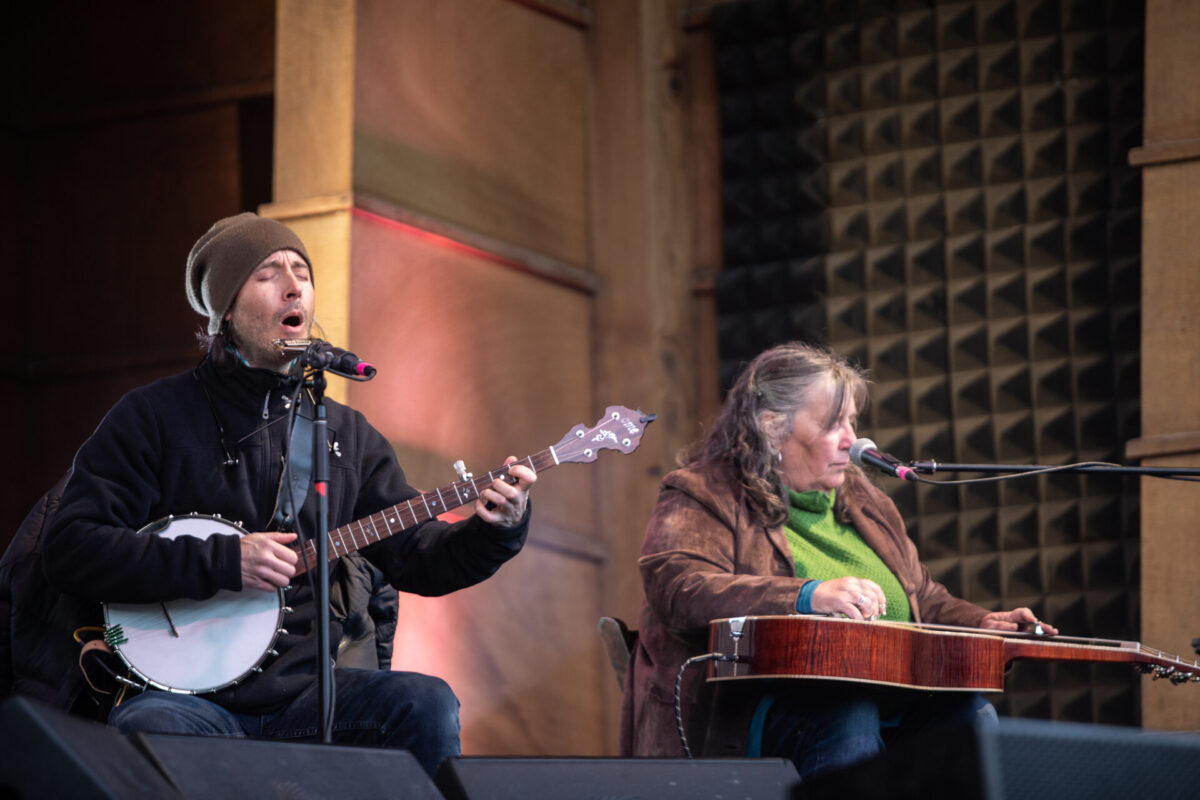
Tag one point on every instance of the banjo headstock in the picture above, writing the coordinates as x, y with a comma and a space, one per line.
619, 429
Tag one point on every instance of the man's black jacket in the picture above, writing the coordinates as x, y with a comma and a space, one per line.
162, 450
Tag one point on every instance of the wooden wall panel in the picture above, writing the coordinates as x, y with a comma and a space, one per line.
1171, 286
94, 328
314, 111
123, 142
475, 360
110, 210
625, 342
19, 487
478, 361
80, 173
1172, 105
703, 173
324, 224
471, 112
1170, 563
644, 247
14, 249
521, 652
314, 150
96, 61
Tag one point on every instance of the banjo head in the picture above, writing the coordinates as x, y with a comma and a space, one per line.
196, 646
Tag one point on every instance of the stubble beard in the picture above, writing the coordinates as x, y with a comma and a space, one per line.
259, 349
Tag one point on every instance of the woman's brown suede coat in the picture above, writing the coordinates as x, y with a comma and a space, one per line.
703, 559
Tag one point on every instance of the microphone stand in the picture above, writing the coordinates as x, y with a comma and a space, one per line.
930, 467
317, 356
320, 480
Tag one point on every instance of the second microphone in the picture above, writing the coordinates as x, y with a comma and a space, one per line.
864, 453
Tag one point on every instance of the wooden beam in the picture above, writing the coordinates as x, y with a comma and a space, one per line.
1164, 444
307, 206
167, 104
1154, 153
574, 12
489, 247
314, 124
642, 244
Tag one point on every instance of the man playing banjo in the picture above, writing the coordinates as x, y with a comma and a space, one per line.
212, 441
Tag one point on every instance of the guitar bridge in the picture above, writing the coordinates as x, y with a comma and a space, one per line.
736, 624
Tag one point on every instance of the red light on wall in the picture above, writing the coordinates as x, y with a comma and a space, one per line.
437, 239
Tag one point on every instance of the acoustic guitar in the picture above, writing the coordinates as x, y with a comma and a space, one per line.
199, 646
908, 655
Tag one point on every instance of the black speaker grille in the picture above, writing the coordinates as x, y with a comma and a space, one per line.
599, 778
1023, 760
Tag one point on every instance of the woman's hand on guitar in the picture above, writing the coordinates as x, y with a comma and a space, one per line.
503, 503
267, 561
1019, 619
856, 598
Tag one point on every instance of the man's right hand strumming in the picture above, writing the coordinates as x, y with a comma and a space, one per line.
267, 561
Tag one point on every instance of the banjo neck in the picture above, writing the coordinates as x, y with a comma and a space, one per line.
619, 429
404, 516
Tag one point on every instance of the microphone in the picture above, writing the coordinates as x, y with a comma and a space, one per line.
863, 453
320, 354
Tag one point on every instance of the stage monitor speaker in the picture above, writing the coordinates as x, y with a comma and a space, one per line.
208, 768
46, 753
1021, 759
650, 778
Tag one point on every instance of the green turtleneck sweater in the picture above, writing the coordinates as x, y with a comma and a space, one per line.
824, 548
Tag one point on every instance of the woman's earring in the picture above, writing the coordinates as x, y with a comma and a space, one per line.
779, 456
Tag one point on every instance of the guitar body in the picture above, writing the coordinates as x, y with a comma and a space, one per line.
909, 655
195, 646
881, 654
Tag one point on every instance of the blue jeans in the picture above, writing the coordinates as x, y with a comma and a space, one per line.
835, 726
376, 708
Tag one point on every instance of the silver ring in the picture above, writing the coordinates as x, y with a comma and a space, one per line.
861, 602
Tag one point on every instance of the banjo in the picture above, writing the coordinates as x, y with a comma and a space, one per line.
199, 646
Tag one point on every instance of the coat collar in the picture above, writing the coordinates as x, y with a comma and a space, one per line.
242, 386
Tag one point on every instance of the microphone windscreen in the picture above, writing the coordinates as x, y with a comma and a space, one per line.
856, 450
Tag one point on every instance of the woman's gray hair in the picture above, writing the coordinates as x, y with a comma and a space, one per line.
758, 413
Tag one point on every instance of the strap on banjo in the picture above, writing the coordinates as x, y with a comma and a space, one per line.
294, 482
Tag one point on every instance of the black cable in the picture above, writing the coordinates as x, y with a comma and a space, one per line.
1089, 468
1065, 468
679, 690
230, 459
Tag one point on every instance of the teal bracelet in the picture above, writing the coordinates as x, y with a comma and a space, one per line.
804, 599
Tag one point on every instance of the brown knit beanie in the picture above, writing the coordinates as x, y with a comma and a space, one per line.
223, 258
